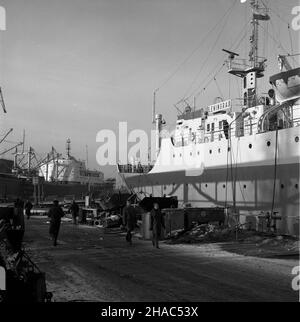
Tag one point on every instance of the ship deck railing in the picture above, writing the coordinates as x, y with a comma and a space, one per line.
238, 131
129, 168
216, 135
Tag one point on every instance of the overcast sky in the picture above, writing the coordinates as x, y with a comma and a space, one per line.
69, 68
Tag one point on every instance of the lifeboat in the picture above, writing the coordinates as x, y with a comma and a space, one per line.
286, 85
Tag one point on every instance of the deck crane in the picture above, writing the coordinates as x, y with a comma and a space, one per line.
283, 62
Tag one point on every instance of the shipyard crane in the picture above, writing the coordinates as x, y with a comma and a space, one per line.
6, 135
53, 156
14, 147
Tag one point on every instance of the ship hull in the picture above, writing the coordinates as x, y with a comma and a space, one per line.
12, 187
259, 185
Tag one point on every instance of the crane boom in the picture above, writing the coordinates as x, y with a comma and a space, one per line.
283, 62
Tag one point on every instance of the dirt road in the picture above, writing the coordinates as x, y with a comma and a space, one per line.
85, 267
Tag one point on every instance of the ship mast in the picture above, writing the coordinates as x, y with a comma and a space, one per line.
253, 54
255, 68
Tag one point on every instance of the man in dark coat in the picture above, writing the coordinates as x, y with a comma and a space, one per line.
28, 206
55, 213
74, 210
18, 219
157, 221
129, 220
18, 223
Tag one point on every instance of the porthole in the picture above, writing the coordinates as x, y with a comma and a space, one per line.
198, 153
224, 186
282, 186
245, 186
210, 151
206, 185
228, 149
191, 153
268, 143
297, 139
296, 185
219, 150
173, 155
250, 146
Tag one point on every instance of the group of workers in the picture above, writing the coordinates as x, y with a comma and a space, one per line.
156, 222
129, 221
55, 214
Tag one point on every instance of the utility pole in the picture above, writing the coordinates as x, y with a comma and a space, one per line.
23, 141
47, 166
68, 147
87, 155
154, 106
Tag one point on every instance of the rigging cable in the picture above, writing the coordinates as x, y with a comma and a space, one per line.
229, 149
275, 172
227, 164
207, 84
291, 41
196, 92
218, 87
196, 49
207, 58
285, 22
273, 38
277, 41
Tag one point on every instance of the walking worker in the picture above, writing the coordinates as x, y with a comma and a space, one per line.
74, 210
18, 218
28, 206
157, 222
129, 220
18, 223
55, 213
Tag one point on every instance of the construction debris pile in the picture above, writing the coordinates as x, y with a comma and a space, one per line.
202, 233
209, 233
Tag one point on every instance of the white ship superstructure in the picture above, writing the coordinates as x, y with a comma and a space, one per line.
70, 170
239, 154
58, 169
